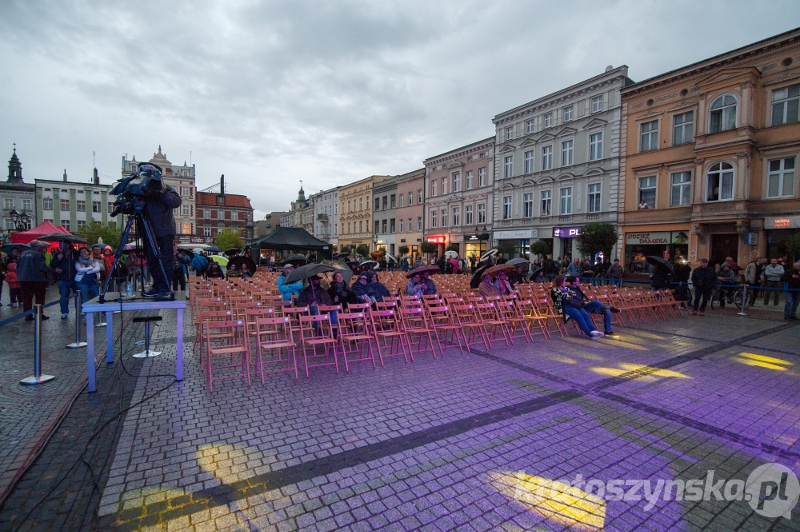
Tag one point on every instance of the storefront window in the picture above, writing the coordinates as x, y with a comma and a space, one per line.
664, 244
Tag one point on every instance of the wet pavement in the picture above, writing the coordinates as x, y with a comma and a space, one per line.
485, 441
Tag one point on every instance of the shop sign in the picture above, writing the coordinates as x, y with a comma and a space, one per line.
566, 232
519, 234
655, 237
782, 222
437, 239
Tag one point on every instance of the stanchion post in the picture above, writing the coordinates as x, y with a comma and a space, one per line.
744, 300
37, 377
78, 309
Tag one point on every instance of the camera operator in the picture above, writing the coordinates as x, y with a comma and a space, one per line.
159, 203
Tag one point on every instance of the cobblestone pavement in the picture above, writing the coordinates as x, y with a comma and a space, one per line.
460, 442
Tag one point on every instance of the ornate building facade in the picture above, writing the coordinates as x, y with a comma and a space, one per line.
355, 212
410, 211
17, 199
710, 156
557, 164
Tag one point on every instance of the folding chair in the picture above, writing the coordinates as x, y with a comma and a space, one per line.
492, 323
356, 338
471, 326
416, 325
389, 335
446, 327
275, 346
227, 341
321, 335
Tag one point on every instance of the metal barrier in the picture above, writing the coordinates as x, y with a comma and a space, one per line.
37, 377
78, 306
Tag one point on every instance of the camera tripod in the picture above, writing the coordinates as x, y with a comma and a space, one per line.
137, 216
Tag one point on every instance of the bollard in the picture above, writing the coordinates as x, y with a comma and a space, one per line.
37, 378
744, 300
78, 305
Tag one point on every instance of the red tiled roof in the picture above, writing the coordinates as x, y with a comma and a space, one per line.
231, 200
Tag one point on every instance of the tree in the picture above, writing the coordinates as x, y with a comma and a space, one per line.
506, 248
403, 250
344, 249
362, 250
597, 237
793, 247
540, 247
452, 247
427, 247
228, 238
110, 233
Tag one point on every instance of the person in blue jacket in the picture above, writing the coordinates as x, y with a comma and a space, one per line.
287, 290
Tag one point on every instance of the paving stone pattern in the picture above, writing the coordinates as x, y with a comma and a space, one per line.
417, 446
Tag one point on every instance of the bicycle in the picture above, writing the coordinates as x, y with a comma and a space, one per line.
737, 295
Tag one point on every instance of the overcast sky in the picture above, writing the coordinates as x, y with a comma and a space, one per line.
329, 92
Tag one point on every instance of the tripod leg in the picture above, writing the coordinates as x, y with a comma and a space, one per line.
148, 231
117, 255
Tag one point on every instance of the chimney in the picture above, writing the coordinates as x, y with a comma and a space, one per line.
222, 184
65, 175
96, 177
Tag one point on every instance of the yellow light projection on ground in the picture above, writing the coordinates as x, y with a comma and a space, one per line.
559, 502
648, 373
226, 462
763, 361
565, 360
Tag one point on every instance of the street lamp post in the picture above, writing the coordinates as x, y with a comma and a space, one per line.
20, 219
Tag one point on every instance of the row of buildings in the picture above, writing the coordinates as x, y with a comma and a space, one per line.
73, 204
698, 161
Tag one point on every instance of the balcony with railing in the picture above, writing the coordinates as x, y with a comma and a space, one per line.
322, 218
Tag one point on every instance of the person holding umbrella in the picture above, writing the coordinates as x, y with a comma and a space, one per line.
415, 286
287, 290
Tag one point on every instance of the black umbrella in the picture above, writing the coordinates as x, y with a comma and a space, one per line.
213, 249
658, 261
475, 280
297, 260
491, 253
62, 237
304, 272
8, 247
186, 252
536, 271
341, 267
242, 263
518, 260
232, 251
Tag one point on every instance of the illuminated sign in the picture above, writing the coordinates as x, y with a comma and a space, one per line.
566, 232
661, 237
438, 239
518, 234
782, 222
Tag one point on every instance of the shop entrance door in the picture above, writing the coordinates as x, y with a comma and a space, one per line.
724, 245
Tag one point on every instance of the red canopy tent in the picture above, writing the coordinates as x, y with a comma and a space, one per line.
44, 228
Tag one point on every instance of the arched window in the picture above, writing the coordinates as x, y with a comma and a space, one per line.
719, 182
723, 114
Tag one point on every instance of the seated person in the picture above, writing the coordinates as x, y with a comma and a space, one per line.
375, 288
361, 290
233, 271
517, 275
312, 296
570, 305
214, 271
340, 292
288, 290
594, 307
503, 286
488, 287
415, 286
725, 275
430, 287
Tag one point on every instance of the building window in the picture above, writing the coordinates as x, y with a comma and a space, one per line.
481, 213
419, 197
593, 198
681, 188
184, 190
393, 201
96, 206
401, 222
456, 216
185, 210
444, 217
506, 207
510, 133
529, 126
64, 205
547, 158
683, 128
444, 185
206, 231
566, 153
27, 205
508, 166
377, 227
410, 199
66, 224
647, 192
780, 183
457, 182
402, 197
361, 226
566, 200
784, 105
110, 207
47, 204
81, 206
392, 228
377, 204
469, 180
434, 218
482, 177
81, 223
595, 146
719, 180
8, 203
723, 114
385, 202
433, 187
529, 162
348, 228
527, 205
468, 215
548, 120
547, 202
419, 223
650, 136
597, 104
361, 204
568, 111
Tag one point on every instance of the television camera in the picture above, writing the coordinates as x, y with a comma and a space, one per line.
132, 191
